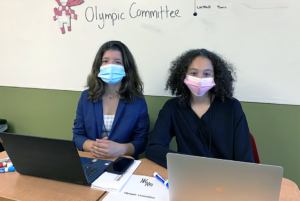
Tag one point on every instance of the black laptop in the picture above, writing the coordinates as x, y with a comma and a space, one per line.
51, 158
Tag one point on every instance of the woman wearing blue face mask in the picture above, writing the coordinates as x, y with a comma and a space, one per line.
112, 117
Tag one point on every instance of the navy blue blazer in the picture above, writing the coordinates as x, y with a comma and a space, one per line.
131, 123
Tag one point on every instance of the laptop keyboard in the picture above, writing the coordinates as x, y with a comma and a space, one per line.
90, 171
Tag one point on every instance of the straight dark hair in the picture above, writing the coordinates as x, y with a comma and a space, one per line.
132, 86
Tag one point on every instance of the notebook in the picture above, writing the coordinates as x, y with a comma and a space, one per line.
199, 178
51, 158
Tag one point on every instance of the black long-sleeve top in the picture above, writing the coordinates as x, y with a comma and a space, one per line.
230, 136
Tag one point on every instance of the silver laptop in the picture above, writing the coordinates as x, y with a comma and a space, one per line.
199, 178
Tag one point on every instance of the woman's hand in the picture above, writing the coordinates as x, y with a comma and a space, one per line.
104, 148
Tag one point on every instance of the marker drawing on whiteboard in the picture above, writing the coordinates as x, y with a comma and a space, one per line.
159, 13
91, 14
195, 13
64, 13
206, 7
221, 7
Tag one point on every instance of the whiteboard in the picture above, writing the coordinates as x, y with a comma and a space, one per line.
261, 39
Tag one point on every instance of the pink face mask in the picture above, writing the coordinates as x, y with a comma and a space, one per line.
199, 86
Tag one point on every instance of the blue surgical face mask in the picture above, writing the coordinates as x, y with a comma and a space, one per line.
111, 73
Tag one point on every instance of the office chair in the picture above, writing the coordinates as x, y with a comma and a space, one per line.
3, 127
254, 150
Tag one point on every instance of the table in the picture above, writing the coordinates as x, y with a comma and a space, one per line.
289, 190
21, 187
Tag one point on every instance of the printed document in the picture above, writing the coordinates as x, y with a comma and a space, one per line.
114, 182
141, 188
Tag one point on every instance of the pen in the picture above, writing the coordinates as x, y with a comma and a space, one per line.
10, 169
4, 160
7, 164
160, 178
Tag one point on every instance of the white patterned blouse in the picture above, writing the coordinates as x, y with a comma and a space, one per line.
107, 124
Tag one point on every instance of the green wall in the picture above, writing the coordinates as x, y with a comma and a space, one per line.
50, 113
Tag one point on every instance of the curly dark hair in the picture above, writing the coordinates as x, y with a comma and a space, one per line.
224, 75
132, 86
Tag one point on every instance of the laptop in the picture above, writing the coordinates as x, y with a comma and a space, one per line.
199, 178
51, 158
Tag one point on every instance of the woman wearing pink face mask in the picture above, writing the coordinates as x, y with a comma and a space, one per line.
204, 117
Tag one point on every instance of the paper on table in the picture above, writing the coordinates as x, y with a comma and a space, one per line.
113, 182
141, 188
